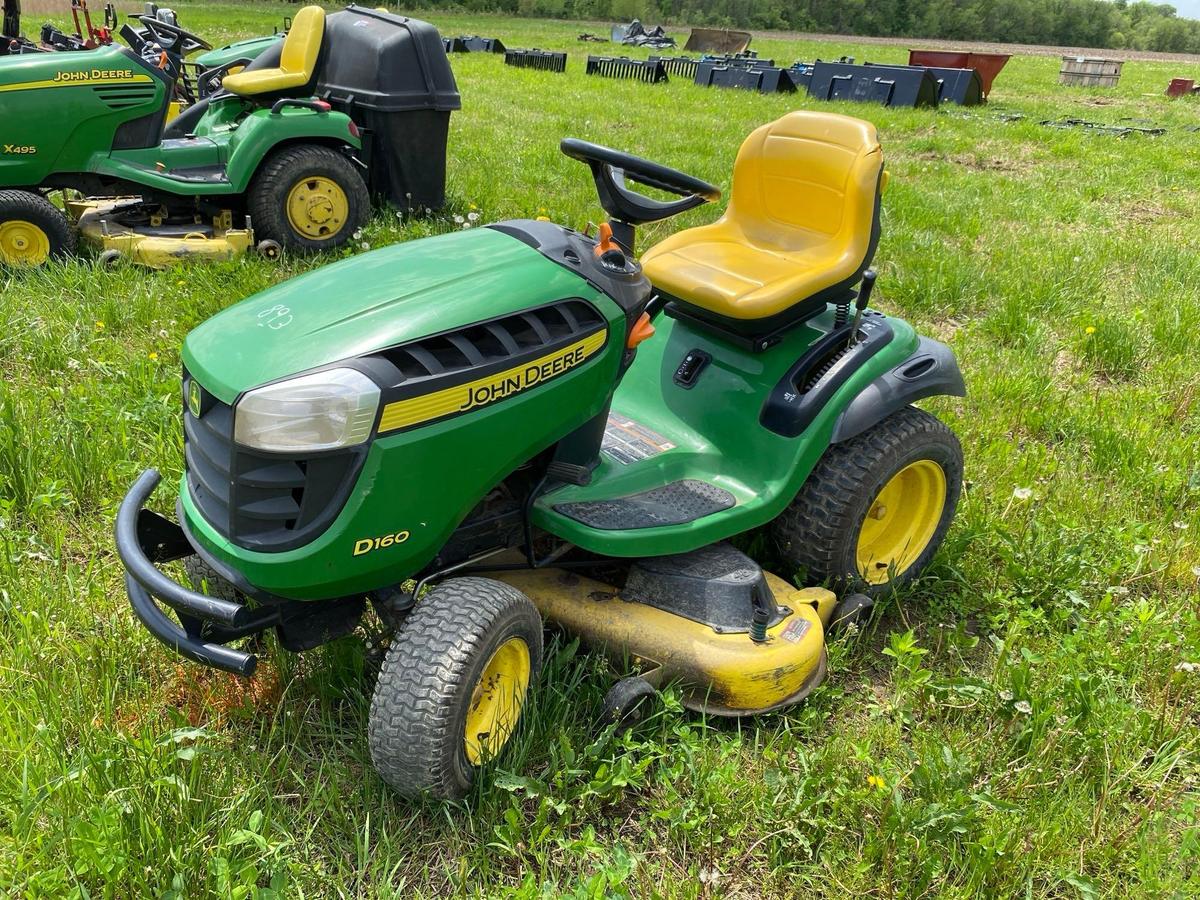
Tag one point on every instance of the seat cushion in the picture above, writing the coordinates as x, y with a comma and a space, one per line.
802, 220
297, 59
718, 269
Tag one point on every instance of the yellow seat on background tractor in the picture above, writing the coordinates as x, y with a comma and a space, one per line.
297, 59
802, 220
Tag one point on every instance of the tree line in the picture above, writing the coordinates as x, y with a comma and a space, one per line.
1112, 24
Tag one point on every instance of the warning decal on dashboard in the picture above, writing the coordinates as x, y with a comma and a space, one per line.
627, 441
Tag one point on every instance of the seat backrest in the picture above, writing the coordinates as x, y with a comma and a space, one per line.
807, 177
302, 45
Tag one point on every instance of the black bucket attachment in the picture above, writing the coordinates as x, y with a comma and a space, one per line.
961, 86
390, 74
546, 60
651, 71
889, 85
473, 43
764, 79
681, 66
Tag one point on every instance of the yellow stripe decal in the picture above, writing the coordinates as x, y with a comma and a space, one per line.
484, 391
83, 82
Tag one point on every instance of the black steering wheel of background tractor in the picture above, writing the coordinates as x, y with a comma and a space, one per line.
172, 38
610, 169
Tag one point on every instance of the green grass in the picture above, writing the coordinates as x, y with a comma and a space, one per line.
1021, 722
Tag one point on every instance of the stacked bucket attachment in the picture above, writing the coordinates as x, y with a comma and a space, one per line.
545, 60
912, 86
473, 43
651, 71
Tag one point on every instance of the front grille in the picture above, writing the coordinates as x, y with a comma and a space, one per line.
261, 501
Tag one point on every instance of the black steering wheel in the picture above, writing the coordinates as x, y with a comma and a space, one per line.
172, 38
610, 169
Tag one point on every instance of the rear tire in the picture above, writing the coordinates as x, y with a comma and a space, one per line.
826, 530
33, 230
470, 647
308, 198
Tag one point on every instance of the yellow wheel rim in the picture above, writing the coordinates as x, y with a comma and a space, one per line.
901, 521
317, 207
496, 701
23, 244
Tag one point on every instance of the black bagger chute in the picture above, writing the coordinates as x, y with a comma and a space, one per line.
390, 74
889, 85
12, 19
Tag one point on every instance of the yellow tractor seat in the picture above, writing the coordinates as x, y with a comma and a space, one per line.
800, 229
297, 59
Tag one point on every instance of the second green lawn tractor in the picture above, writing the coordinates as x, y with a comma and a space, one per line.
285, 156
478, 431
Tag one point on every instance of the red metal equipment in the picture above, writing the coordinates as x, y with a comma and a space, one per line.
1181, 87
988, 65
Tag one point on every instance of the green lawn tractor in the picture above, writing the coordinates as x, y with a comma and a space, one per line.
286, 155
478, 431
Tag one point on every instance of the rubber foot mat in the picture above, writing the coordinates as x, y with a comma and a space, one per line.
671, 504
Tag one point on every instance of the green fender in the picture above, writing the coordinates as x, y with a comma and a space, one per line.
263, 131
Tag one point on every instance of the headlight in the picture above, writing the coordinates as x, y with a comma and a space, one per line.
321, 411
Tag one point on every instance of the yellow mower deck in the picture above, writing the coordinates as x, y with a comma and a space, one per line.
158, 247
721, 674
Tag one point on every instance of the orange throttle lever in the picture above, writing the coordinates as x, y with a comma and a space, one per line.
642, 330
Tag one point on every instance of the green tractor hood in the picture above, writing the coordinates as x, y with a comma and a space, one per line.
369, 302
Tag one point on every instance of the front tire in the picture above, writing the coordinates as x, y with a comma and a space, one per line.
877, 507
307, 198
453, 685
32, 230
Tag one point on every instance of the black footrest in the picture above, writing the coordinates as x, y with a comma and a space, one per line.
673, 504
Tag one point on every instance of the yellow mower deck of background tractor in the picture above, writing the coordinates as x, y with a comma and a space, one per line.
157, 245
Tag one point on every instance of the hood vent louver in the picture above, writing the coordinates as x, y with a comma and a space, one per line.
498, 341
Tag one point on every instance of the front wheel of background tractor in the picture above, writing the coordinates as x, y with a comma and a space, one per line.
876, 507
32, 230
453, 685
308, 197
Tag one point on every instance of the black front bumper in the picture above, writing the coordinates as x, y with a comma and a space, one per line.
206, 623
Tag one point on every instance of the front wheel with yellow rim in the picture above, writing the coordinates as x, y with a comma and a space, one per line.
876, 508
32, 230
453, 686
308, 197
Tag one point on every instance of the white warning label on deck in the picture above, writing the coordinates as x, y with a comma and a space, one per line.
628, 441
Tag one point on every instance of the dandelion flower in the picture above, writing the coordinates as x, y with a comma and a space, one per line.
99, 325
1091, 329
876, 782
152, 356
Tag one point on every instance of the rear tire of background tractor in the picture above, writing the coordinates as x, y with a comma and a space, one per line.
33, 230
308, 198
470, 647
876, 508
